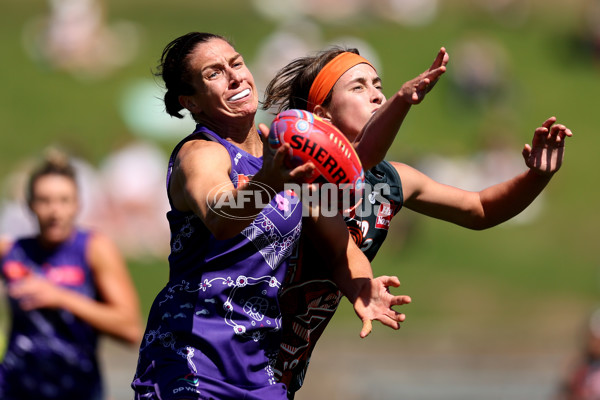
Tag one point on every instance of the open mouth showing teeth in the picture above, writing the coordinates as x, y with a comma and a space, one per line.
240, 95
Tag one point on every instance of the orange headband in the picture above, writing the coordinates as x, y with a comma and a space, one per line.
329, 75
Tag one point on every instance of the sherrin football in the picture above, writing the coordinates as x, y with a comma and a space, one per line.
314, 139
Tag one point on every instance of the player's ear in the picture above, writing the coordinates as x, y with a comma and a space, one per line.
322, 112
189, 103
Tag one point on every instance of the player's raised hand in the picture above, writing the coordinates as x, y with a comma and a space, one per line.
546, 152
375, 302
414, 90
276, 170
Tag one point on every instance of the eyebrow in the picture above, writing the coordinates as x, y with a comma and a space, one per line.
363, 80
216, 65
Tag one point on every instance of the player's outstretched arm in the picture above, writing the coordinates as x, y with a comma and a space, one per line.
497, 203
352, 273
115, 312
200, 183
379, 133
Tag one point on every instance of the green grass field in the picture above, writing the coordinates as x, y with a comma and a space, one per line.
535, 274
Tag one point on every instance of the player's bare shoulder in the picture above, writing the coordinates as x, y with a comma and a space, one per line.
5, 245
197, 165
102, 252
201, 153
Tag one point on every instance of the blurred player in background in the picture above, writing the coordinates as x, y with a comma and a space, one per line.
65, 286
583, 378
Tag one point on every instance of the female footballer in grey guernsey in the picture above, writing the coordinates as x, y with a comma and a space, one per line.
214, 330
344, 88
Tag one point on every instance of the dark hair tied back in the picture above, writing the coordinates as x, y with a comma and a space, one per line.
174, 68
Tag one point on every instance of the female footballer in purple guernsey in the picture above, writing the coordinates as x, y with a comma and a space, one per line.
65, 286
344, 88
214, 331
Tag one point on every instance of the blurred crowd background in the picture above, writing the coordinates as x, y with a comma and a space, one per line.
498, 314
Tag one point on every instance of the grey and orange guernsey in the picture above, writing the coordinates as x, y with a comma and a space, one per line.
309, 297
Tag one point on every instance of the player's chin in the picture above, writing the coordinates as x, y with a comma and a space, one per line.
248, 111
55, 236
243, 109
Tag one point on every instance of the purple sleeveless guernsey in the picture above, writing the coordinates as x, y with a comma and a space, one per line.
214, 331
51, 354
